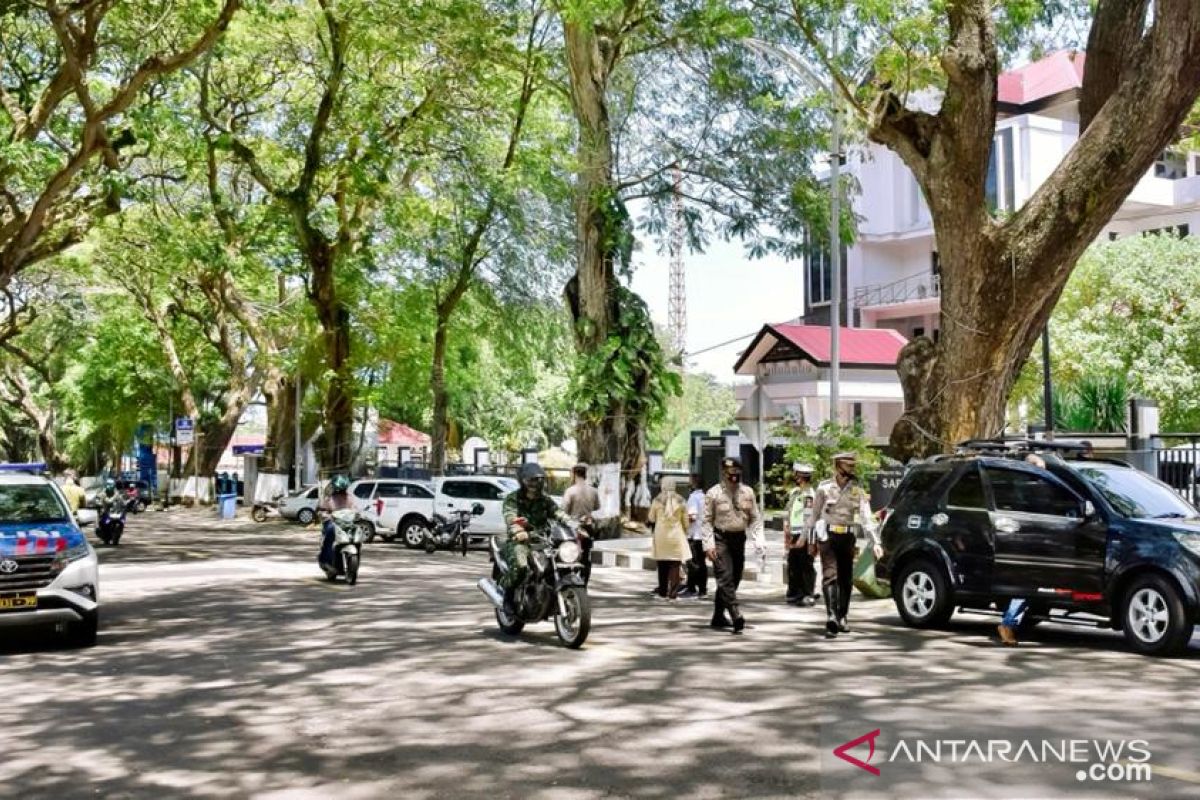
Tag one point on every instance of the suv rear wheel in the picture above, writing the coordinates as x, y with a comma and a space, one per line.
1154, 617
414, 531
922, 595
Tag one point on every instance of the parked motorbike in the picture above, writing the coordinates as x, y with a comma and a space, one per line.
111, 525
451, 533
554, 587
348, 538
265, 509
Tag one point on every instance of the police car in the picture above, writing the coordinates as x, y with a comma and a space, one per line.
49, 574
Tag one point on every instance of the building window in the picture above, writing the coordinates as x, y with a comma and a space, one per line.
1000, 186
1182, 231
1171, 166
818, 271
917, 333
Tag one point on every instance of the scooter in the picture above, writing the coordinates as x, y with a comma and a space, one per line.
265, 509
111, 525
348, 538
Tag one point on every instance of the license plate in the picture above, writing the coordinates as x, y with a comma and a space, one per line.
19, 602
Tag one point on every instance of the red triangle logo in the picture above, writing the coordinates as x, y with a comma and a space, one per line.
841, 753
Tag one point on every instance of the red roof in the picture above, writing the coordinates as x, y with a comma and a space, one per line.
398, 433
1056, 73
862, 347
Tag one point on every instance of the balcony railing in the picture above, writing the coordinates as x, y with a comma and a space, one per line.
914, 287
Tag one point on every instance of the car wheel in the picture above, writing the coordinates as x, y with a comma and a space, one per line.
1154, 617
259, 514
84, 632
414, 531
368, 531
139, 506
306, 516
922, 595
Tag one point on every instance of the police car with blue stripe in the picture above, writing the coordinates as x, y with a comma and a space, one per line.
49, 574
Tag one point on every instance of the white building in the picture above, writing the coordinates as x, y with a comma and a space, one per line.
890, 275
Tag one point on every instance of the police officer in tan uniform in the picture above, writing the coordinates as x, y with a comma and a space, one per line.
841, 508
730, 516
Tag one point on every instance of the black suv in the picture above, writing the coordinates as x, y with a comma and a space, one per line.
1095, 541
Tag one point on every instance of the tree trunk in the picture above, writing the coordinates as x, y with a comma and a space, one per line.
280, 451
1002, 278
437, 382
590, 292
334, 318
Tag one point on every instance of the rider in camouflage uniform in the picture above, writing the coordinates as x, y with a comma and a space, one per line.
527, 512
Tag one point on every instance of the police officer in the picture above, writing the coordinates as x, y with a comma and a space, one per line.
797, 522
730, 515
841, 507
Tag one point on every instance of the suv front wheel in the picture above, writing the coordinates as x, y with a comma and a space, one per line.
1155, 620
922, 595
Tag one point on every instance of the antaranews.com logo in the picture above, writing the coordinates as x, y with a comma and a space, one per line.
1096, 760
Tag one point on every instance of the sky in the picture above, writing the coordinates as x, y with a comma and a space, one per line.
728, 295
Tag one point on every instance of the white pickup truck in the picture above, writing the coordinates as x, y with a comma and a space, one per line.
407, 508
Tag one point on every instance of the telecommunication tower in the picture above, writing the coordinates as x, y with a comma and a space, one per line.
677, 304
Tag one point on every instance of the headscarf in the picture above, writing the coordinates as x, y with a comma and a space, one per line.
672, 503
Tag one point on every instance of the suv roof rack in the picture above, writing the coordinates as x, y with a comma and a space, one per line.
1020, 446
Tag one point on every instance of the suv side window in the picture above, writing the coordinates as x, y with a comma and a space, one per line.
390, 490
452, 489
363, 490
412, 490
968, 491
1028, 493
917, 484
482, 491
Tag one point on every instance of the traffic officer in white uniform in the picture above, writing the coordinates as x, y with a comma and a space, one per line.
797, 522
841, 508
731, 516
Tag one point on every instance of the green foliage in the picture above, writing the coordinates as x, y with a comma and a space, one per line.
1129, 315
629, 371
704, 404
818, 450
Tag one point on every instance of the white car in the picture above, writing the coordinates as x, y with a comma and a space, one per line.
302, 505
49, 573
411, 515
395, 507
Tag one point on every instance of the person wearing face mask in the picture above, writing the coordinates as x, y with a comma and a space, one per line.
731, 516
841, 507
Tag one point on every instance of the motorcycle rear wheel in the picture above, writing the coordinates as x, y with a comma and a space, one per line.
573, 629
351, 568
510, 626
259, 514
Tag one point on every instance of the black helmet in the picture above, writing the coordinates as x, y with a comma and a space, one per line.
532, 476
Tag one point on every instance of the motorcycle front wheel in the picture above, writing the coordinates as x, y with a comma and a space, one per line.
351, 565
573, 629
259, 514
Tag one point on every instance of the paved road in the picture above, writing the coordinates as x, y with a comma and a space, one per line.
227, 668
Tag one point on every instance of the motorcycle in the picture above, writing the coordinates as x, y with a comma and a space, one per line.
554, 588
265, 509
450, 533
348, 538
111, 525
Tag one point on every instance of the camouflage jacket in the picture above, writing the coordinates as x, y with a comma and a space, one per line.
537, 513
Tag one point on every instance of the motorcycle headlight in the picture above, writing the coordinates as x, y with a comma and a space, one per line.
568, 552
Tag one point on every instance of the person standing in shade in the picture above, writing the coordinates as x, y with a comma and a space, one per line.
797, 520
668, 514
697, 585
580, 501
731, 516
72, 491
840, 509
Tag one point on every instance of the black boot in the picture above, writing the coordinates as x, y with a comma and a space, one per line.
510, 606
843, 610
831, 609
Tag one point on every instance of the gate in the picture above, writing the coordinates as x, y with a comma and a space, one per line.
1178, 459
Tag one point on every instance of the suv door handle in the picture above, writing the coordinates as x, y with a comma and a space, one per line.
1007, 525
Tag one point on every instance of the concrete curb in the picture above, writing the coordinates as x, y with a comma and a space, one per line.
634, 553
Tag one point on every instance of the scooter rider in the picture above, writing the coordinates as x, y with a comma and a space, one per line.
110, 499
527, 510
336, 500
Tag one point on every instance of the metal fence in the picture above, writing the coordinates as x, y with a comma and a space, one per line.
1177, 462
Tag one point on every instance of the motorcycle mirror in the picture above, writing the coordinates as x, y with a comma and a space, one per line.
477, 509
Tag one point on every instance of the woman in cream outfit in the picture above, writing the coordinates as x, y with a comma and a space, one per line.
668, 514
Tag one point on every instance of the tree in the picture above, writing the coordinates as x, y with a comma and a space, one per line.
71, 76
705, 404
1131, 310
1001, 276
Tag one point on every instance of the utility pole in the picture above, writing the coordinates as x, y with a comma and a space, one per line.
298, 467
835, 238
